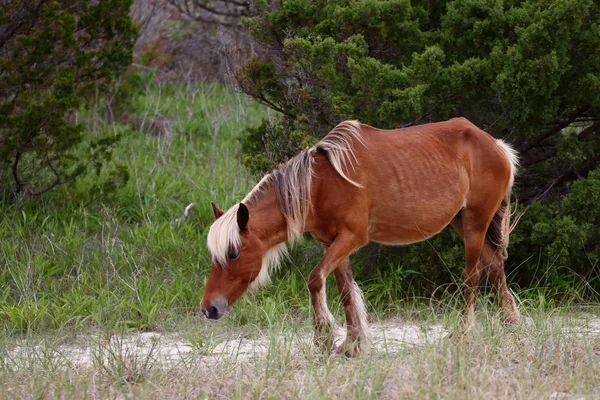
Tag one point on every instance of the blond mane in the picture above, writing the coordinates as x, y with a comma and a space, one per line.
292, 183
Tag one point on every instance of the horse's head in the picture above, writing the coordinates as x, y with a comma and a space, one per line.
237, 259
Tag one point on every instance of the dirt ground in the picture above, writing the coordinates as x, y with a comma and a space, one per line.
551, 355
386, 337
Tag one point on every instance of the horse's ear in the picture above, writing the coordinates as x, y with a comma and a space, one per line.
216, 210
242, 216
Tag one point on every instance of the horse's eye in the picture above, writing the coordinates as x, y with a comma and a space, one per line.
233, 255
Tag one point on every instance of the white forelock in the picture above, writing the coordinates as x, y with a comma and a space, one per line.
224, 236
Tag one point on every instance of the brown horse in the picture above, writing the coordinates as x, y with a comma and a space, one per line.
362, 184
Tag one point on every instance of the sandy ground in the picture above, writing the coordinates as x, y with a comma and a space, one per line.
169, 348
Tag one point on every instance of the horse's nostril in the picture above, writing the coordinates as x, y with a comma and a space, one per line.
216, 307
213, 312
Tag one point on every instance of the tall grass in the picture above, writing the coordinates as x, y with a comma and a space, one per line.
130, 260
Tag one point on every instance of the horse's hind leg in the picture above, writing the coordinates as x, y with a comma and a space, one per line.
472, 227
494, 264
354, 308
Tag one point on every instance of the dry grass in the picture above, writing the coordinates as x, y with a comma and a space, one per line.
549, 356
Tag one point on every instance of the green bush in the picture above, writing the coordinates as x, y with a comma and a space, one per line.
53, 56
525, 71
561, 241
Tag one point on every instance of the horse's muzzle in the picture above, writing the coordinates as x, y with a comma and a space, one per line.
216, 309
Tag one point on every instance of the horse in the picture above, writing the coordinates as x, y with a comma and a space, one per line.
361, 184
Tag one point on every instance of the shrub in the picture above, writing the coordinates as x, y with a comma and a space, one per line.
528, 72
53, 56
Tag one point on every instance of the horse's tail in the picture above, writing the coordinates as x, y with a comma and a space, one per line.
499, 230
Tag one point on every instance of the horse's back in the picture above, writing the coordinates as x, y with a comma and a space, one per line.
423, 154
453, 136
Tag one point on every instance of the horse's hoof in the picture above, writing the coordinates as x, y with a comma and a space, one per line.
462, 331
350, 350
512, 319
324, 342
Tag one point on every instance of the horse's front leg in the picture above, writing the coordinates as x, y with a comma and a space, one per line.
354, 307
322, 319
344, 244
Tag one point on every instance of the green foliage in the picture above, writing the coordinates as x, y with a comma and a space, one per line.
521, 70
525, 71
127, 261
53, 56
265, 145
562, 238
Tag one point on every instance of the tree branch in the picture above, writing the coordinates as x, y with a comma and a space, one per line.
214, 11
552, 151
543, 156
269, 103
556, 127
587, 132
226, 13
58, 180
15, 171
539, 195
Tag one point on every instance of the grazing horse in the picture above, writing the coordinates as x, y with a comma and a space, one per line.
361, 184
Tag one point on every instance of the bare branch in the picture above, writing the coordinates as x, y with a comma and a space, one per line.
543, 156
551, 151
272, 105
587, 132
217, 12
551, 131
207, 6
15, 171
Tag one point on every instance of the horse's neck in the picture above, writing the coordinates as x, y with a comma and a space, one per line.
268, 220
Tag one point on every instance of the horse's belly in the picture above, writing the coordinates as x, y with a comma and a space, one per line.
397, 234
405, 228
